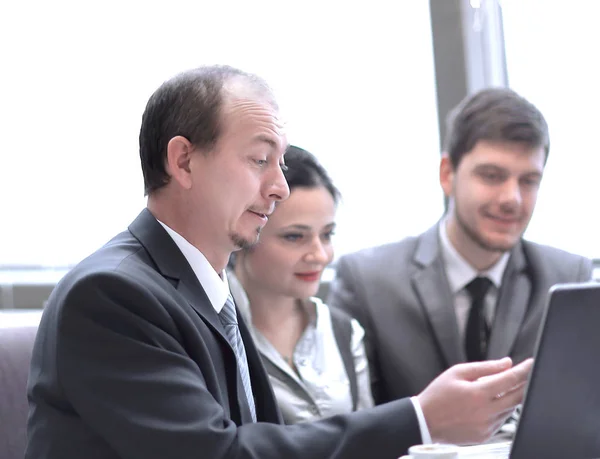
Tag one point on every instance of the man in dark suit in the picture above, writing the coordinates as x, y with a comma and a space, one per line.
470, 288
140, 353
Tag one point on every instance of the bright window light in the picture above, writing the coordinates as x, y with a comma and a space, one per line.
355, 82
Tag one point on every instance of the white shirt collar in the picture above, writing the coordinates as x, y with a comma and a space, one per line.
458, 270
215, 286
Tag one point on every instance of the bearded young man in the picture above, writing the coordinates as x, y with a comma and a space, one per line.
470, 288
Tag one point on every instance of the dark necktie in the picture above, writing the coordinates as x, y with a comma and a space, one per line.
477, 332
228, 318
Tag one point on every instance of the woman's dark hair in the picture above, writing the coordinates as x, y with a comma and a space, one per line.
304, 171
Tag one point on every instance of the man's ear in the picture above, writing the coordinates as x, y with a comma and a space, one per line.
447, 174
179, 154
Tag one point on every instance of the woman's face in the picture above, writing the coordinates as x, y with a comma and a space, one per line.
294, 246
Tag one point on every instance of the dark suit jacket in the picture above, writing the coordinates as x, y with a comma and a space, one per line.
131, 362
400, 294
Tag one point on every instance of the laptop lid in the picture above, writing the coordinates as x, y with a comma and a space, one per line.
561, 410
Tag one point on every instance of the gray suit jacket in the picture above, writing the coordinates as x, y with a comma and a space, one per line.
400, 294
131, 362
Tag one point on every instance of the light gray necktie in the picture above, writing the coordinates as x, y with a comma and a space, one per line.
229, 320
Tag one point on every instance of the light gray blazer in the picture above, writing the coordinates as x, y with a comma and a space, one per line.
400, 294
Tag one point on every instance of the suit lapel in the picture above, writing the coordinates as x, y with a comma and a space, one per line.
196, 296
511, 306
173, 265
432, 288
193, 292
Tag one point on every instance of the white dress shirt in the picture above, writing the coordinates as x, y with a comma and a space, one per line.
459, 273
320, 387
215, 285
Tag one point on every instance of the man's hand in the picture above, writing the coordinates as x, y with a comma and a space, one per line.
470, 401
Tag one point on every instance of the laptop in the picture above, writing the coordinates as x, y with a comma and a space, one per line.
560, 418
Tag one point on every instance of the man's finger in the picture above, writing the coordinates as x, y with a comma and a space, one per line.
504, 382
474, 371
511, 399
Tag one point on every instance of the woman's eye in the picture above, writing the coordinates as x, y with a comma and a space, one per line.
327, 236
292, 237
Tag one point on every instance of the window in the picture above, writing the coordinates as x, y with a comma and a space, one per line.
355, 82
551, 51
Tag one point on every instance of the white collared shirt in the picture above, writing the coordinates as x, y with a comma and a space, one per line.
215, 285
459, 273
320, 388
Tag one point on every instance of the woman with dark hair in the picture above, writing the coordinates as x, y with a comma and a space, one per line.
314, 354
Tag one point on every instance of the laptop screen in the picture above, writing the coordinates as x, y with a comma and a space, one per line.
561, 411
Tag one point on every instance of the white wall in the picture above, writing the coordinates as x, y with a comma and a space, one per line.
552, 58
355, 81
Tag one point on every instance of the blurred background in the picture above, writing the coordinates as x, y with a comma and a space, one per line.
366, 86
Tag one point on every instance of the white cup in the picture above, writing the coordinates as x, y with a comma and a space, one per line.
434, 451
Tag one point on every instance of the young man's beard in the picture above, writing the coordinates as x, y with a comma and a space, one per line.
478, 239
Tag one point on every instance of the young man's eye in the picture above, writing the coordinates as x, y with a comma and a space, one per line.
531, 182
492, 177
261, 162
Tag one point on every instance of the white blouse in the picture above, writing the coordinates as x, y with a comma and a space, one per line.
321, 387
